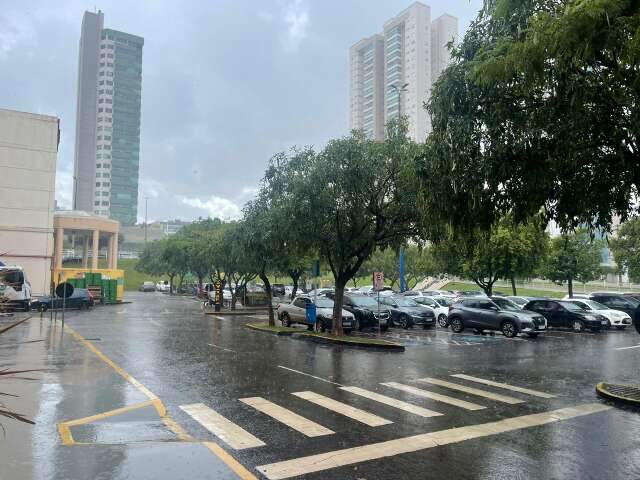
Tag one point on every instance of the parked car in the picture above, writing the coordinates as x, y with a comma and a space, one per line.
278, 289
15, 289
618, 301
439, 305
81, 298
562, 313
147, 287
366, 311
485, 314
617, 318
520, 300
320, 291
406, 313
296, 312
163, 286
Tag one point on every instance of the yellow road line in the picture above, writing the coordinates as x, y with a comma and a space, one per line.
67, 438
491, 383
374, 451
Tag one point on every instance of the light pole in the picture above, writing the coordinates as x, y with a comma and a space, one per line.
399, 91
146, 204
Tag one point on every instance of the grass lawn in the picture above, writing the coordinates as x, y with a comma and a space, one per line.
528, 292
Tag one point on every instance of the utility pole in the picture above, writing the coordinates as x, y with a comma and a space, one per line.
399, 91
146, 204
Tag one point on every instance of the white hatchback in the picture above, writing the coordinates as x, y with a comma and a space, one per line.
618, 319
439, 305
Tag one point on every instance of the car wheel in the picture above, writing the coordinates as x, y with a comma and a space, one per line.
456, 325
286, 321
532, 335
509, 329
442, 320
578, 326
404, 322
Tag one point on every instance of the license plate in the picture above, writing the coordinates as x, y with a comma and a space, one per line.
542, 327
603, 322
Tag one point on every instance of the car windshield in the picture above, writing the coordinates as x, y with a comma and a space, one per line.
519, 301
405, 302
633, 301
572, 306
444, 302
362, 301
324, 303
595, 305
505, 304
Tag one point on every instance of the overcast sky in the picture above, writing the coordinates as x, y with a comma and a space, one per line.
225, 84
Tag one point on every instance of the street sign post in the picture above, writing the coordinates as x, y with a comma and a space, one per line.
378, 284
218, 295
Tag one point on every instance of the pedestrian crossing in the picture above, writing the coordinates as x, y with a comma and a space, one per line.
236, 437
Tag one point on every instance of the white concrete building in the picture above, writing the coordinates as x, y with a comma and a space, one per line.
414, 55
28, 155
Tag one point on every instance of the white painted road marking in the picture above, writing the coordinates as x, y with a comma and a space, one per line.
392, 402
221, 348
309, 375
290, 419
153, 322
434, 396
472, 391
343, 409
350, 456
491, 383
235, 436
627, 348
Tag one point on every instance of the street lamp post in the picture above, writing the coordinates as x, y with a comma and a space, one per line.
399, 90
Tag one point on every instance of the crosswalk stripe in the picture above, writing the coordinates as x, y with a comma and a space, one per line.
290, 419
434, 396
236, 437
392, 402
491, 383
343, 409
472, 391
374, 451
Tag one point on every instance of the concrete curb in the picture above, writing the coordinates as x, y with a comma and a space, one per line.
389, 346
230, 313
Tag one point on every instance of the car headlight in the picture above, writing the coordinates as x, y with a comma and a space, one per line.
589, 317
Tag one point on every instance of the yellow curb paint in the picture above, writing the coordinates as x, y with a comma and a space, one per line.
67, 438
110, 413
231, 462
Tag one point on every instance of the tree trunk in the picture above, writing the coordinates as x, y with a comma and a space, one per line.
295, 278
336, 326
513, 286
171, 284
570, 286
267, 288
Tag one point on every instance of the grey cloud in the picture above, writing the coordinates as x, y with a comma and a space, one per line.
226, 84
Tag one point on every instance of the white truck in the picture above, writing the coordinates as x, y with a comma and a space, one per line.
15, 289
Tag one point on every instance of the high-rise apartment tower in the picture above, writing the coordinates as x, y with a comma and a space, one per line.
107, 154
409, 56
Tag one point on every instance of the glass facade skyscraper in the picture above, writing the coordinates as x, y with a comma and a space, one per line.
113, 119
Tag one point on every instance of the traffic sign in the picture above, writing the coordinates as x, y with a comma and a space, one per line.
64, 290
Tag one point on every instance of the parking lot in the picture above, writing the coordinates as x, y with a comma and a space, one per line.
246, 404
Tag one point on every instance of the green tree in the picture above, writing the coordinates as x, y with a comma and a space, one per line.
528, 76
357, 195
625, 247
574, 256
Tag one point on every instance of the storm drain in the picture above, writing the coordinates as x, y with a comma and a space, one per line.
624, 393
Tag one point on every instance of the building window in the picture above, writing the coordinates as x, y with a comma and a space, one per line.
102, 55
101, 73
99, 137
106, 184
97, 184
100, 92
109, 100
106, 175
109, 55
107, 147
109, 74
100, 110
109, 82
107, 137
96, 203
98, 175
103, 46
102, 64
101, 100
110, 47
99, 147
108, 110
105, 204
109, 64
101, 82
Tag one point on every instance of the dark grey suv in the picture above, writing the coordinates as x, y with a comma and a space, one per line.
495, 314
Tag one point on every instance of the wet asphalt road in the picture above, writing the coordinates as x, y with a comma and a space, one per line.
185, 357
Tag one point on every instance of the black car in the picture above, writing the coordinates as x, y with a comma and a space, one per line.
494, 314
367, 312
80, 299
561, 313
406, 313
278, 290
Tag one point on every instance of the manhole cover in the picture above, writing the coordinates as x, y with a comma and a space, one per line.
625, 393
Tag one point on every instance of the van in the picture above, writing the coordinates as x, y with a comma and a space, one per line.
15, 289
